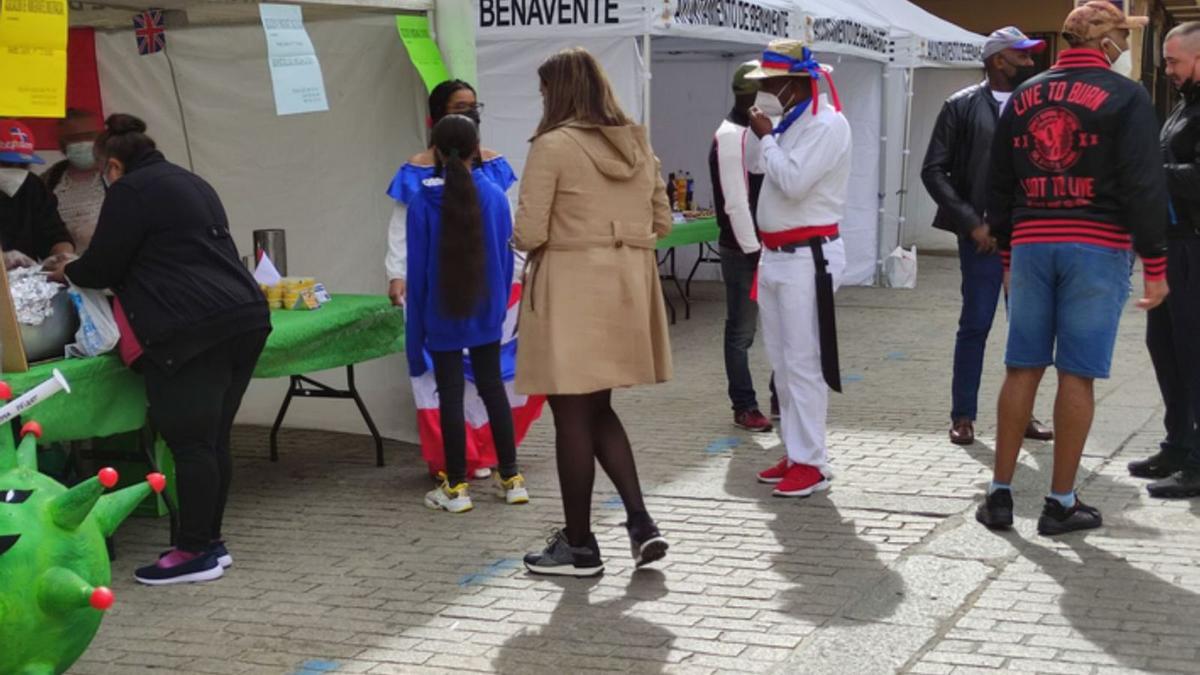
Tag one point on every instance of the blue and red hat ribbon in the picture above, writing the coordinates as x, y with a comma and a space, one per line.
784, 63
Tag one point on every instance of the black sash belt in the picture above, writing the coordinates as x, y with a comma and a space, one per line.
826, 317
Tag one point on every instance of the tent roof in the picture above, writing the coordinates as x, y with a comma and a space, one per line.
946, 42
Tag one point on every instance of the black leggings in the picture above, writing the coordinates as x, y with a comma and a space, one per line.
451, 383
587, 429
193, 408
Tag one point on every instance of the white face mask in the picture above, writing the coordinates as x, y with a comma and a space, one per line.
1123, 64
81, 155
769, 104
12, 179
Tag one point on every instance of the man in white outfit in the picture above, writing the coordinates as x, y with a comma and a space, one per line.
805, 157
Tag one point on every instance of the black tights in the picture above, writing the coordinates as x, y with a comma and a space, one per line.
587, 429
448, 371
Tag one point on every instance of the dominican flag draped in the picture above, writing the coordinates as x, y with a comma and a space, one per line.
481, 450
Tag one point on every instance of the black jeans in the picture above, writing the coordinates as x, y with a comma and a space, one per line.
451, 383
1173, 337
193, 409
741, 322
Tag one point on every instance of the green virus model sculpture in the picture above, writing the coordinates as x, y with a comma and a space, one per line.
53, 560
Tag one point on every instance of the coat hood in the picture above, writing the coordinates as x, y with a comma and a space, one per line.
619, 153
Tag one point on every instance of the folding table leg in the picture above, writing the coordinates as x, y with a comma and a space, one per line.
293, 385
362, 408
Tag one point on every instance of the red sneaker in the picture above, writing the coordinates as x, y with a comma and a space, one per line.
801, 480
775, 473
752, 420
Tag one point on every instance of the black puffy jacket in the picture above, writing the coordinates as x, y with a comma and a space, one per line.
956, 164
1180, 140
163, 245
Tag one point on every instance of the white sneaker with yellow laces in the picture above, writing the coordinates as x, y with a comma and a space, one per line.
455, 499
512, 490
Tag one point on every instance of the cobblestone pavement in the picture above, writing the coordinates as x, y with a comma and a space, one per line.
340, 568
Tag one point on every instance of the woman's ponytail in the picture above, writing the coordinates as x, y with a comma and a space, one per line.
461, 253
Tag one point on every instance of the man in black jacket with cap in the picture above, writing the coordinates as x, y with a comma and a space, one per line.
1172, 327
955, 174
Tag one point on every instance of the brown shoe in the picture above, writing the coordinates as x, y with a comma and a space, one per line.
962, 432
1036, 431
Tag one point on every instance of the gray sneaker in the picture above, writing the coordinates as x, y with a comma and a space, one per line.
559, 558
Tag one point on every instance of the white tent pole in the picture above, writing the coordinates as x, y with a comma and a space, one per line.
883, 151
909, 76
454, 31
646, 82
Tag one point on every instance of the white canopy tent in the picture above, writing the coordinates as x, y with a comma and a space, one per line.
672, 64
671, 61
934, 58
319, 176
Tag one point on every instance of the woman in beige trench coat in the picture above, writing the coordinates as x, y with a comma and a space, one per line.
593, 205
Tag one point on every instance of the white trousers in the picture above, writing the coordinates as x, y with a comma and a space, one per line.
787, 301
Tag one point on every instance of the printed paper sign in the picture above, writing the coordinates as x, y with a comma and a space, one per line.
33, 58
414, 32
295, 71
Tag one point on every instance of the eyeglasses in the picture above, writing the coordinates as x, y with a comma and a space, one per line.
478, 107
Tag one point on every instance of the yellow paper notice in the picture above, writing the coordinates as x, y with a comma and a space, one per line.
33, 58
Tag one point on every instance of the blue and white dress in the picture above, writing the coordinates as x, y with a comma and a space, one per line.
481, 450
406, 184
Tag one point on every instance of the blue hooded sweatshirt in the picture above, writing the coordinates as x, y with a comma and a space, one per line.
428, 327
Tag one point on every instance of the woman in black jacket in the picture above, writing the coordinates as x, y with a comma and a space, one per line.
163, 246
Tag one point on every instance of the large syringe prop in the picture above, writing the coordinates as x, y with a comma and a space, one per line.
35, 396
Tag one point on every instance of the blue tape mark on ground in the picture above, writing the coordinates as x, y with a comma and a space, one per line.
851, 377
896, 356
613, 503
317, 666
722, 445
489, 572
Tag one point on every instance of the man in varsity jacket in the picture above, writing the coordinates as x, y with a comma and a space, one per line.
1077, 185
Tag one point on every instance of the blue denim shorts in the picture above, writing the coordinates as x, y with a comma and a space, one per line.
1065, 303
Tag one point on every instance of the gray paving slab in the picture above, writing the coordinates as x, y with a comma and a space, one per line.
339, 568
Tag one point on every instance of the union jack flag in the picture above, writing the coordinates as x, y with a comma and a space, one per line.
151, 31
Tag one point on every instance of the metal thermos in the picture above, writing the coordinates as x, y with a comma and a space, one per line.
274, 244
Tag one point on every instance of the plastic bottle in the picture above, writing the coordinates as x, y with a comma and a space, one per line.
681, 199
671, 191
691, 194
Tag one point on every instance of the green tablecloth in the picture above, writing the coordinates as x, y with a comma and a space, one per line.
696, 231
349, 329
107, 398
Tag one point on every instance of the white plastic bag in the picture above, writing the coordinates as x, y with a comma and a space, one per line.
900, 268
98, 332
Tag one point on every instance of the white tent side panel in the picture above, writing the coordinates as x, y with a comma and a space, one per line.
320, 176
859, 84
932, 88
690, 98
508, 86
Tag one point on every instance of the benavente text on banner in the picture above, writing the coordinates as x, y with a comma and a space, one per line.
503, 13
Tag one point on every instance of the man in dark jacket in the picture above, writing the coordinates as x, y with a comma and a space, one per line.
1172, 327
1076, 183
955, 174
29, 223
735, 196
